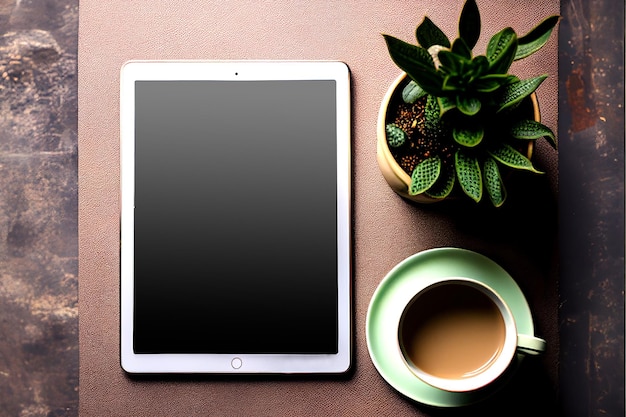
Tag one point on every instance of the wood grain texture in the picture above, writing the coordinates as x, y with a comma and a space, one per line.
591, 162
38, 209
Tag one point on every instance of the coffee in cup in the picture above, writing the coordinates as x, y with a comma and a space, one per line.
459, 335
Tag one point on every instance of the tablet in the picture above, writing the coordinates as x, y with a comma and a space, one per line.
235, 217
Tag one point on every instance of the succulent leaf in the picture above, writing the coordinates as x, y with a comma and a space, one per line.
416, 62
469, 23
444, 184
445, 104
411, 92
395, 135
450, 62
511, 157
515, 92
493, 182
501, 51
432, 116
468, 136
536, 38
490, 82
425, 175
468, 105
468, 173
530, 130
429, 34
479, 66
460, 47
511, 79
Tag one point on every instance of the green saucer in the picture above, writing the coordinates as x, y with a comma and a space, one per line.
396, 289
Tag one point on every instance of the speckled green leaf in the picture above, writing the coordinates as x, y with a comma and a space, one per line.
444, 184
509, 156
445, 104
395, 136
493, 182
536, 38
515, 92
469, 136
501, 50
432, 116
468, 105
468, 173
425, 175
530, 130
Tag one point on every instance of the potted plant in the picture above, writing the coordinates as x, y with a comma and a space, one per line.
454, 122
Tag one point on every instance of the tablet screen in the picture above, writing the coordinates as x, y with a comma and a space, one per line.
236, 247
235, 217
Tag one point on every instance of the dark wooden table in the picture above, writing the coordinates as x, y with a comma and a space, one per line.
591, 201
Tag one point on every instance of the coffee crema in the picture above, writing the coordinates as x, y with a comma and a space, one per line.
452, 331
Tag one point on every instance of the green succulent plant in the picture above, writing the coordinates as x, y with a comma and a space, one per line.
476, 101
395, 135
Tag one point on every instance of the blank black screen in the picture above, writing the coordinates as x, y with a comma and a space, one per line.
235, 217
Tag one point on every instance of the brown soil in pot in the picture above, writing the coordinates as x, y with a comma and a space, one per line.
418, 147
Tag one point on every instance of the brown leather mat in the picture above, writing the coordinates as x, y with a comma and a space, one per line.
521, 237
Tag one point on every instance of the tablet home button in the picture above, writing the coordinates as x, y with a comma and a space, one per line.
236, 363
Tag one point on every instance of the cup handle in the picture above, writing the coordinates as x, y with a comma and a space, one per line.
530, 345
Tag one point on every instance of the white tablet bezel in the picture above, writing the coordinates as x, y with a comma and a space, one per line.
231, 71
